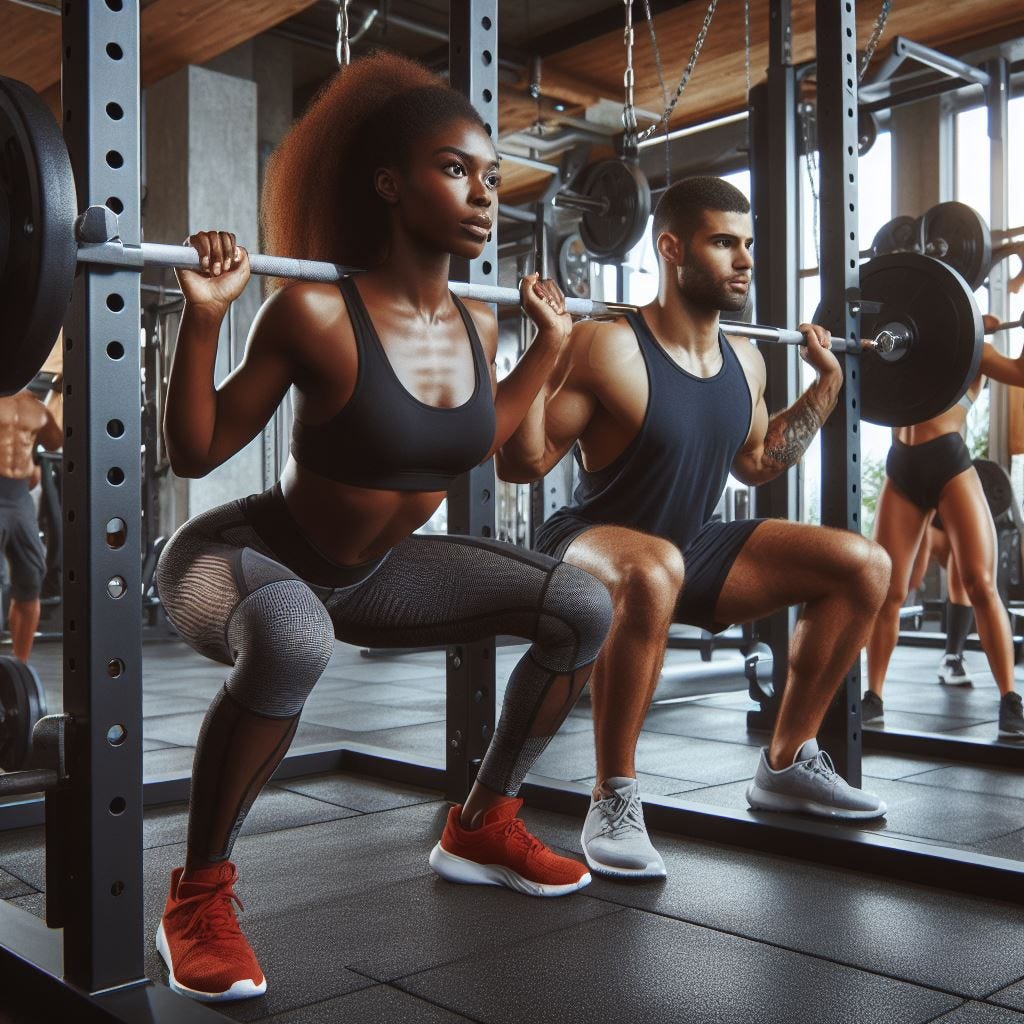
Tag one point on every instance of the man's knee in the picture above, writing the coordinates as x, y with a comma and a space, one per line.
649, 579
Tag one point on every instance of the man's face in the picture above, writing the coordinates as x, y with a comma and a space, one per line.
716, 262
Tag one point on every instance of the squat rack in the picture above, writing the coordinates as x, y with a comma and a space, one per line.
89, 965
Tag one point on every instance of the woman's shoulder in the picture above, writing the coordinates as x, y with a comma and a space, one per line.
301, 308
486, 324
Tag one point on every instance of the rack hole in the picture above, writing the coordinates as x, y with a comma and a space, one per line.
115, 302
115, 111
117, 533
487, 267
115, 350
115, 475
115, 668
488, 95
486, 23
115, 428
116, 735
486, 57
117, 888
114, 52
115, 204
116, 587
118, 805
114, 159
115, 5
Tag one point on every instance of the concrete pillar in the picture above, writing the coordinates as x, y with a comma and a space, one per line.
201, 142
922, 157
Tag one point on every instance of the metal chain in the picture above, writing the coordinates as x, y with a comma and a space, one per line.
629, 139
811, 163
746, 44
661, 82
342, 51
697, 46
876, 35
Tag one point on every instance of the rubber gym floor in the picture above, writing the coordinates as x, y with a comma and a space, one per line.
351, 925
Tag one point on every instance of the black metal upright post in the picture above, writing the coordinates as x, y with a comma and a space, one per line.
836, 32
94, 823
473, 69
774, 178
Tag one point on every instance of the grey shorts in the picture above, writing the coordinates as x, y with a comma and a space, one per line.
19, 540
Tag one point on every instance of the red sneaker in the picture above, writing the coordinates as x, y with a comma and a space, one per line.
207, 956
502, 852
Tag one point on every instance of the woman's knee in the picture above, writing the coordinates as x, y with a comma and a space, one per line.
574, 620
979, 584
282, 639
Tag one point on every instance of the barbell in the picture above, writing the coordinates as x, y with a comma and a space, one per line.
926, 333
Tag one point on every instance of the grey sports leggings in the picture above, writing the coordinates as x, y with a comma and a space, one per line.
247, 591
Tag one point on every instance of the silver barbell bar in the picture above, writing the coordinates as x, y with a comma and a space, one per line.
99, 243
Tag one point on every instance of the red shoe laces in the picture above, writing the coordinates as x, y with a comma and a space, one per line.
515, 831
214, 917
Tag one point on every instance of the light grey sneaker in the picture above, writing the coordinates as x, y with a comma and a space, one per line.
953, 672
614, 836
812, 785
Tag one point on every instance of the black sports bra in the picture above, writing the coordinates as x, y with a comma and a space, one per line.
387, 439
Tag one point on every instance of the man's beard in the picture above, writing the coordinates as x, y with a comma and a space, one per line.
700, 288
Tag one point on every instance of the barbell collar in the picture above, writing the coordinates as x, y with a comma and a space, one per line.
574, 201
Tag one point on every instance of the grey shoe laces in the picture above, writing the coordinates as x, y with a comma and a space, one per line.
820, 764
622, 815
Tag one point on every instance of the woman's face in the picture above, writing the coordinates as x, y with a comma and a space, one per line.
447, 193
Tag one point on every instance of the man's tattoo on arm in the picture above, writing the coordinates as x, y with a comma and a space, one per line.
790, 433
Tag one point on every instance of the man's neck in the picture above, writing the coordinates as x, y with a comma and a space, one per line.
682, 324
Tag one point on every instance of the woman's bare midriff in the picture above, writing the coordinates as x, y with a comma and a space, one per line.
349, 524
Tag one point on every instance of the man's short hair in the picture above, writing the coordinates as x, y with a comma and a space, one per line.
682, 204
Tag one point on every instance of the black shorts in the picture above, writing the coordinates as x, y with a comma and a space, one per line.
19, 540
921, 471
707, 560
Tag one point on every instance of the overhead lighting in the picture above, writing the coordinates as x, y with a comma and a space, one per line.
693, 129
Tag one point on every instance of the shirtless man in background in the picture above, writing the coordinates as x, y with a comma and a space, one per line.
24, 422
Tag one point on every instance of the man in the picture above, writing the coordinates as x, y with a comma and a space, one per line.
661, 407
24, 421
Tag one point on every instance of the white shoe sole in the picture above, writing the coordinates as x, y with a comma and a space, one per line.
767, 800
877, 720
453, 868
1003, 734
244, 989
652, 869
956, 681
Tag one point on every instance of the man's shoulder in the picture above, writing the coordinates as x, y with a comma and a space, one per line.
598, 342
748, 354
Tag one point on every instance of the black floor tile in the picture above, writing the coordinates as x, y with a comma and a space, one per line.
416, 924
274, 809
701, 722
361, 793
1012, 995
635, 967
981, 1013
11, 886
975, 779
926, 936
375, 1005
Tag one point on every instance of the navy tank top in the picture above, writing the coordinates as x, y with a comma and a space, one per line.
672, 474
386, 438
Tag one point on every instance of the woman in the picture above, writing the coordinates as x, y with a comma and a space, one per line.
392, 170
929, 468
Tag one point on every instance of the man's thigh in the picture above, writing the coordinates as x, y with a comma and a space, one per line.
783, 564
611, 552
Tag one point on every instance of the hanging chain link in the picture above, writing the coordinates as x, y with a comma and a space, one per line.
342, 51
876, 35
661, 82
697, 46
629, 139
746, 45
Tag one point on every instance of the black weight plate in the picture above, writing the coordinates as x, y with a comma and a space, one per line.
901, 234
38, 251
961, 238
610, 235
867, 131
24, 703
942, 360
995, 482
